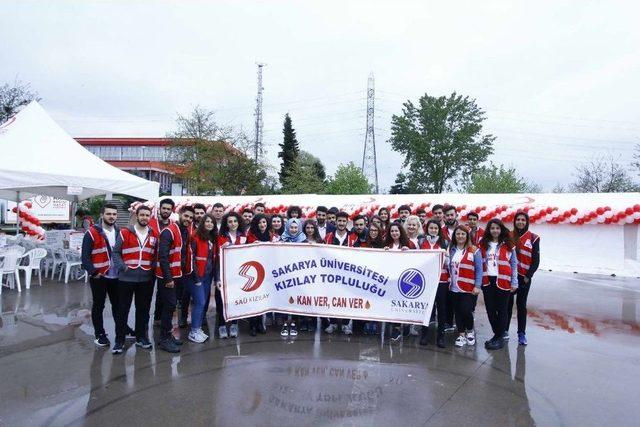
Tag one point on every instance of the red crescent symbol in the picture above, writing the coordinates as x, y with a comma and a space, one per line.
253, 283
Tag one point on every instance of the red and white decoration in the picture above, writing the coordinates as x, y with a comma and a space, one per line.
29, 223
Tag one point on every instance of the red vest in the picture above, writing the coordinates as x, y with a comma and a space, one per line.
503, 280
477, 236
445, 232
467, 270
137, 254
331, 239
240, 239
524, 252
175, 254
444, 273
99, 252
204, 249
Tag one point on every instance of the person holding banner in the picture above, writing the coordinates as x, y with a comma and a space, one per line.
397, 240
258, 232
340, 237
292, 234
135, 257
204, 246
277, 227
374, 240
500, 278
174, 270
528, 250
312, 232
435, 240
231, 233
466, 269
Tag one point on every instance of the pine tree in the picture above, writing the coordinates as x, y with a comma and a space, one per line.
289, 150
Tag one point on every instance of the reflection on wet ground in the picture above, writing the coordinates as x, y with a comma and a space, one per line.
583, 356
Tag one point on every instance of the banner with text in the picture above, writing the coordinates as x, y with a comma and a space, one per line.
330, 281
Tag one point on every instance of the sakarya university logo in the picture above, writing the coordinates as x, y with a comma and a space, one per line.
254, 272
411, 283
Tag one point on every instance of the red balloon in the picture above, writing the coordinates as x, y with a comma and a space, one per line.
574, 211
600, 211
607, 220
607, 208
636, 208
580, 221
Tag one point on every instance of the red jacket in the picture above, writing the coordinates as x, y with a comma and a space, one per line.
444, 272
524, 251
100, 252
137, 254
503, 280
331, 239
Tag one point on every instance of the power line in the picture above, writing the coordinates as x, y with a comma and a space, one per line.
369, 161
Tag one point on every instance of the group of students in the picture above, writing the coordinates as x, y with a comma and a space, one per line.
181, 260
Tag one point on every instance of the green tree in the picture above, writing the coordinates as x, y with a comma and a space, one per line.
213, 159
13, 97
309, 160
400, 186
441, 140
302, 179
289, 150
349, 179
498, 179
604, 175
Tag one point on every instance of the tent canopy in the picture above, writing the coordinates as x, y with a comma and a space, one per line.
40, 158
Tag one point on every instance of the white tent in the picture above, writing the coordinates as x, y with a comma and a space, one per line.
37, 157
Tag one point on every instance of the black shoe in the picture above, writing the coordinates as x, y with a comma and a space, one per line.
423, 336
253, 332
131, 334
440, 341
495, 344
182, 322
102, 341
493, 338
169, 346
176, 341
144, 343
118, 348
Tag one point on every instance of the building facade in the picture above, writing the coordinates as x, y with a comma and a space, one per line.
143, 157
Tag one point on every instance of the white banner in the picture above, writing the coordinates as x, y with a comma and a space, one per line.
330, 281
45, 208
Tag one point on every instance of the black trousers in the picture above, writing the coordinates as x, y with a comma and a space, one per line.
157, 313
463, 307
440, 306
449, 309
143, 293
521, 304
100, 288
169, 300
496, 301
220, 308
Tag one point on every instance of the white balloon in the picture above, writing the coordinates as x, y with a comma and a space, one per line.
608, 214
629, 219
600, 219
549, 217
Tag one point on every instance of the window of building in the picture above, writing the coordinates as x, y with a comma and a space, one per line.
131, 153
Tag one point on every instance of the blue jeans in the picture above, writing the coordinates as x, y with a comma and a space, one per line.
196, 290
206, 286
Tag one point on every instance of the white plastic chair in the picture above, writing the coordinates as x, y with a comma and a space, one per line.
59, 260
72, 260
35, 257
9, 268
14, 248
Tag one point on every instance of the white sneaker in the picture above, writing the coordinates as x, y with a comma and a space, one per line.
331, 328
413, 330
293, 331
346, 329
461, 341
233, 330
203, 335
194, 336
285, 330
471, 338
222, 331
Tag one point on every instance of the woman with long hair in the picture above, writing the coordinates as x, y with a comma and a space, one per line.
277, 227
528, 250
413, 227
500, 278
465, 268
204, 247
397, 240
311, 233
383, 213
435, 240
231, 233
259, 231
376, 241
292, 234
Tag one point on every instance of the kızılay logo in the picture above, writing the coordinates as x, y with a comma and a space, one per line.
411, 283
254, 272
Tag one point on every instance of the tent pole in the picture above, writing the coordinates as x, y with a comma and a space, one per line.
74, 208
17, 213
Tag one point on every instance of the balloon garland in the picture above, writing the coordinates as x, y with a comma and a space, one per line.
29, 223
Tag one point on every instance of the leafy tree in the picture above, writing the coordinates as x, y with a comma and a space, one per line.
309, 160
441, 140
558, 188
498, 179
400, 186
349, 179
636, 159
213, 159
603, 175
13, 97
302, 179
289, 150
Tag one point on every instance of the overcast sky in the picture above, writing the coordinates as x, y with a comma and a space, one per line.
560, 81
